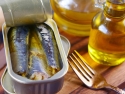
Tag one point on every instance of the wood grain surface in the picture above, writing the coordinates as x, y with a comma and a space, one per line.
73, 85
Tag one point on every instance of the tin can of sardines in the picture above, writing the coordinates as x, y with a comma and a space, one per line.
6, 79
36, 60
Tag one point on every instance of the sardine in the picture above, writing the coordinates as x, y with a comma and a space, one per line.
18, 39
37, 66
49, 45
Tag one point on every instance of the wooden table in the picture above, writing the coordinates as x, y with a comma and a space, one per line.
73, 85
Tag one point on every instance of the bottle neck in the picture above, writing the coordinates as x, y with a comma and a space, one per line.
114, 9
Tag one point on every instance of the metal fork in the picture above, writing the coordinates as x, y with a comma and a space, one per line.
88, 75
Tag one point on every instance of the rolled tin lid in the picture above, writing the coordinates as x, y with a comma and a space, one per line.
23, 12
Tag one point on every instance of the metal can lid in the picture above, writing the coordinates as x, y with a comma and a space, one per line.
22, 12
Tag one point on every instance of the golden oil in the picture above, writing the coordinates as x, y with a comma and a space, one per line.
107, 35
74, 16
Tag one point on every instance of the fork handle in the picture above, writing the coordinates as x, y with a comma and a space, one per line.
116, 89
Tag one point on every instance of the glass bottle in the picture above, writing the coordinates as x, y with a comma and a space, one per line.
74, 16
107, 35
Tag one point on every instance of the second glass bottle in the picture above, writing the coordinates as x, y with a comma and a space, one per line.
107, 35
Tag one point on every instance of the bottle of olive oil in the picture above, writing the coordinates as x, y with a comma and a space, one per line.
107, 35
74, 16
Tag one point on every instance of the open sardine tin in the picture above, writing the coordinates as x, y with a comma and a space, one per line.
51, 85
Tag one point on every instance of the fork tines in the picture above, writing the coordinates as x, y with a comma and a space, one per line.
78, 64
88, 76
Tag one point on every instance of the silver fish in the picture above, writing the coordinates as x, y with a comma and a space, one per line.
37, 69
49, 44
18, 39
37, 66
